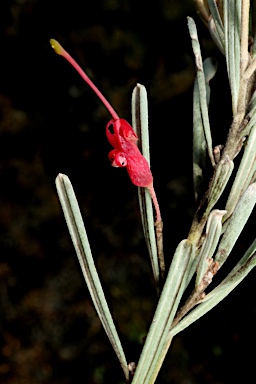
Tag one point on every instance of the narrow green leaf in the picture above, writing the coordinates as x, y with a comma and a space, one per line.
140, 125
140, 118
212, 236
232, 31
81, 244
245, 172
201, 86
219, 182
199, 145
216, 26
241, 264
199, 141
214, 297
236, 224
149, 363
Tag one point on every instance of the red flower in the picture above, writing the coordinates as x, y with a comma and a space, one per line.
126, 153
122, 138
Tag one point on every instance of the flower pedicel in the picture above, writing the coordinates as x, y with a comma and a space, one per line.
122, 137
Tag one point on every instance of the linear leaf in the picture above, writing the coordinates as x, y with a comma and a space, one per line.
199, 141
201, 86
212, 235
236, 224
245, 172
216, 26
81, 244
219, 181
232, 31
140, 125
215, 296
176, 282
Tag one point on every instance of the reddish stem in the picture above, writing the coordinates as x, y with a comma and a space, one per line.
61, 51
155, 202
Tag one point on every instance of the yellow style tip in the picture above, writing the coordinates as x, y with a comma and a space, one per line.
57, 47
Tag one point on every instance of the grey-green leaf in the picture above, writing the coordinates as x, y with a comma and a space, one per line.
236, 224
214, 297
245, 172
199, 140
140, 125
81, 244
152, 354
232, 32
212, 235
201, 86
216, 26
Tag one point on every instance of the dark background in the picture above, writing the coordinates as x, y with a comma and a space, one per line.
51, 122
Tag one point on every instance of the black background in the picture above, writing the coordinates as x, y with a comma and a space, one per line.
51, 122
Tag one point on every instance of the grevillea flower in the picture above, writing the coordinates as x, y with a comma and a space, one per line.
126, 153
121, 136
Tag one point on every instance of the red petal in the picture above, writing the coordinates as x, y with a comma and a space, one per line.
124, 139
138, 170
112, 138
127, 132
117, 158
122, 135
